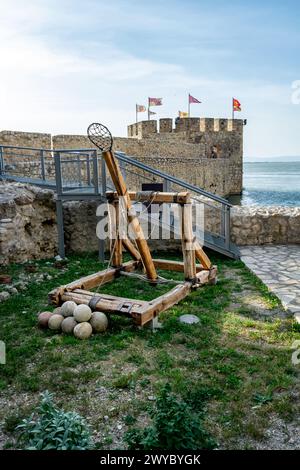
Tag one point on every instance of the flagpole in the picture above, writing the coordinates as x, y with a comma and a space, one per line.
148, 109
189, 106
232, 109
136, 114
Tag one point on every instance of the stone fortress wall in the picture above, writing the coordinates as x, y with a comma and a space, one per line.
202, 151
27, 214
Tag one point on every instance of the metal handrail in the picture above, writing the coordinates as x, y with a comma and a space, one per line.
167, 179
130, 160
172, 179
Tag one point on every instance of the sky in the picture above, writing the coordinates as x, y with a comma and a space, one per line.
67, 63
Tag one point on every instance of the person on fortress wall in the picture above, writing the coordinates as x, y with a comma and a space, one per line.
214, 152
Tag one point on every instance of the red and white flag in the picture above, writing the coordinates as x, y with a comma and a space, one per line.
236, 105
155, 101
193, 100
140, 108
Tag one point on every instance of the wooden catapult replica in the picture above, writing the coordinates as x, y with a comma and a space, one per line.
141, 311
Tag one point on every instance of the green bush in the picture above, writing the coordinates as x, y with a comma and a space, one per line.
175, 426
52, 428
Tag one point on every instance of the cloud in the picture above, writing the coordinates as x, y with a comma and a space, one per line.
64, 64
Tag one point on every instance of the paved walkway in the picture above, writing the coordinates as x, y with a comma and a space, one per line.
278, 266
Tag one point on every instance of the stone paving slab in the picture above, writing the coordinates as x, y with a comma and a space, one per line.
278, 266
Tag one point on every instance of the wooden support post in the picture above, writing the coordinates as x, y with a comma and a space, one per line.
169, 265
187, 241
120, 186
131, 249
202, 256
116, 242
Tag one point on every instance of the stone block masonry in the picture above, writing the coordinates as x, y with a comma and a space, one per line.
25, 139
28, 225
205, 152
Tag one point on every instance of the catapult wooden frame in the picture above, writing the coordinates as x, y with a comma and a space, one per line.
141, 311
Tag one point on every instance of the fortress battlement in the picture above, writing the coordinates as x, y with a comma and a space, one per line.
195, 125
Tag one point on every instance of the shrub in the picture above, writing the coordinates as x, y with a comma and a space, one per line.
52, 428
175, 426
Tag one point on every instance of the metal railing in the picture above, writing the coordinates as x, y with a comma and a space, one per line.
81, 174
218, 207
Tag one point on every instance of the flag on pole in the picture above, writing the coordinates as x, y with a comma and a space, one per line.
155, 101
193, 100
236, 105
140, 108
183, 114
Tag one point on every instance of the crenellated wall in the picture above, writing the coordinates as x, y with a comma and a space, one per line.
207, 152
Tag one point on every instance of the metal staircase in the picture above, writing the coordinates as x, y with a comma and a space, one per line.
80, 174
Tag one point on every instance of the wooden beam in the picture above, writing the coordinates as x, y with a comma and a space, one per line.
202, 277
169, 265
187, 241
120, 186
163, 302
131, 249
107, 304
155, 197
104, 276
202, 256
116, 242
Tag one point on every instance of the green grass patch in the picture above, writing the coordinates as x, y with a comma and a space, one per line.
234, 365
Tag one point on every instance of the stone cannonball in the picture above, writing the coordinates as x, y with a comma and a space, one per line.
82, 313
55, 322
67, 308
83, 330
57, 310
43, 319
99, 322
68, 325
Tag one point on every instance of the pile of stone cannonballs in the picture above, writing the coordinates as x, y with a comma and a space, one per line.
75, 319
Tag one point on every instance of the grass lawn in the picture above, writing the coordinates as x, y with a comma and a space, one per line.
234, 365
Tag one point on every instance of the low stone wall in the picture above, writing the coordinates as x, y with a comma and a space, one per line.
28, 225
260, 225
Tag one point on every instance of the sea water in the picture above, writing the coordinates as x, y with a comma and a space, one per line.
270, 183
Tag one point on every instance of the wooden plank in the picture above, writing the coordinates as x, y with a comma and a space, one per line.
120, 186
155, 197
187, 241
177, 266
107, 305
109, 297
162, 303
107, 275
